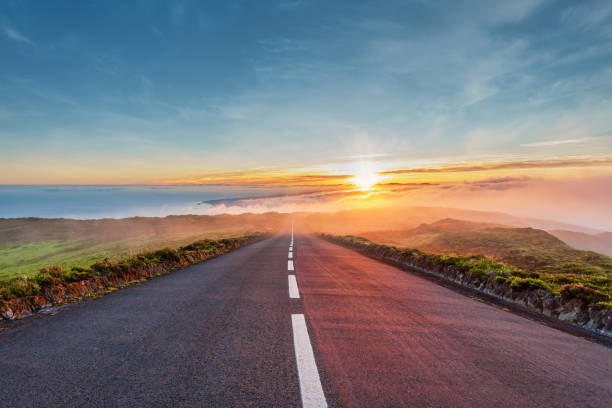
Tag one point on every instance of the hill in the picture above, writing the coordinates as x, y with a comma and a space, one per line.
404, 218
601, 243
536, 252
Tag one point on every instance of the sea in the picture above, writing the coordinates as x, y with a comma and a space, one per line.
94, 202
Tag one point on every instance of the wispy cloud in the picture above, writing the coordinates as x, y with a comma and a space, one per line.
562, 142
524, 164
279, 178
365, 156
16, 35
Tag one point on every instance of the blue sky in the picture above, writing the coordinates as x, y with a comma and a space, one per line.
153, 90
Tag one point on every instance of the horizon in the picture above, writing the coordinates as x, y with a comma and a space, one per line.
266, 199
418, 102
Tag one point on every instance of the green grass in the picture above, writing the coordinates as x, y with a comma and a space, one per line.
30, 284
28, 244
28, 258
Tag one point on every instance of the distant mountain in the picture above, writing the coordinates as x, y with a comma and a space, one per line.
403, 218
437, 213
601, 243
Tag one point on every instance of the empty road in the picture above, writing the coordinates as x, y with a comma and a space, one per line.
290, 322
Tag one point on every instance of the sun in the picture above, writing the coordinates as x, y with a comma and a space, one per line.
365, 177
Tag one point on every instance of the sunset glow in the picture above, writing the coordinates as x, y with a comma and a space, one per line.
352, 115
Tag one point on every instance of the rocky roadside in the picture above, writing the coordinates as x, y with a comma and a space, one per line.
575, 306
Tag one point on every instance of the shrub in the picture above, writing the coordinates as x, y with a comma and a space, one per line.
500, 279
139, 260
102, 267
167, 254
23, 287
55, 271
588, 295
43, 279
521, 284
563, 280
5, 292
70, 276
205, 245
77, 275
82, 269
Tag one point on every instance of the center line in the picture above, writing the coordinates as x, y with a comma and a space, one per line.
290, 254
308, 374
294, 292
290, 265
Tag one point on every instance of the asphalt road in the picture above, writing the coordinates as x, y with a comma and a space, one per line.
229, 332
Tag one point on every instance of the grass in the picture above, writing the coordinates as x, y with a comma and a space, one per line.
30, 285
28, 244
530, 253
28, 258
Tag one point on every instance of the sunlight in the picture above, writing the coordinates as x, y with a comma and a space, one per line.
366, 176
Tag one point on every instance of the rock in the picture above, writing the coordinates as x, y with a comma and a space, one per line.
550, 304
8, 314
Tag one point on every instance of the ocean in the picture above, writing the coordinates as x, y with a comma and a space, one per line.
92, 202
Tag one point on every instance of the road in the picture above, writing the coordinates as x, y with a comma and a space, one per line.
239, 330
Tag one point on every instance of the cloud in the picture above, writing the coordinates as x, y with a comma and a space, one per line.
268, 178
527, 164
585, 201
16, 35
562, 142
364, 156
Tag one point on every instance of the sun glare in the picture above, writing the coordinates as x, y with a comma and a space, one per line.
365, 176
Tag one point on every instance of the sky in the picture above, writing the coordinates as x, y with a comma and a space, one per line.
304, 91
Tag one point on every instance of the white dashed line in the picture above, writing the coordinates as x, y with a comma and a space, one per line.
308, 374
290, 265
290, 255
294, 292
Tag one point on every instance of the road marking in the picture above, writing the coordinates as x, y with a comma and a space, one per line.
294, 292
308, 374
290, 265
290, 254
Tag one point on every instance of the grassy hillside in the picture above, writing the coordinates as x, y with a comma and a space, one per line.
535, 252
28, 244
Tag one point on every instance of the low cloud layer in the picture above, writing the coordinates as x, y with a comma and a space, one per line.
584, 201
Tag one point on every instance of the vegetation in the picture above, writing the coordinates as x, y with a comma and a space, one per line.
482, 268
31, 285
29, 244
528, 252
